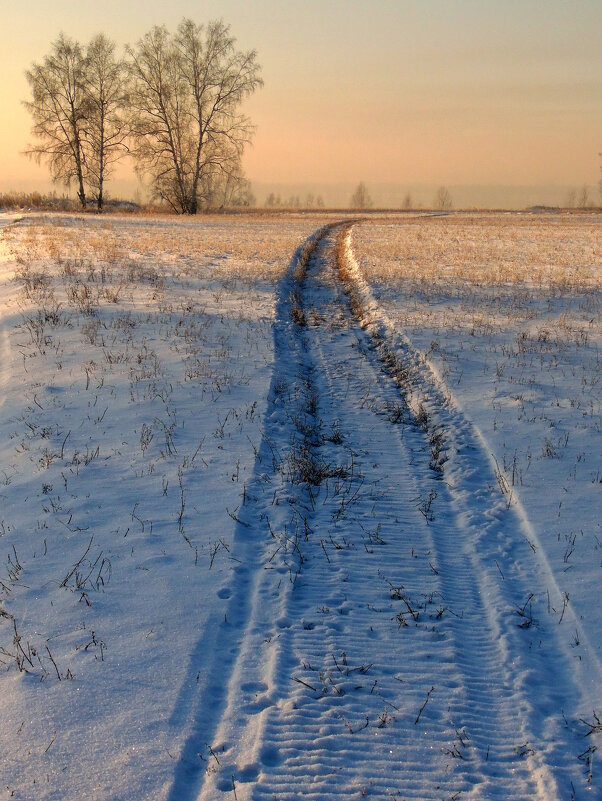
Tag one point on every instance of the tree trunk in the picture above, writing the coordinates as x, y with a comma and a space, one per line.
78, 168
77, 151
101, 159
82, 192
78, 165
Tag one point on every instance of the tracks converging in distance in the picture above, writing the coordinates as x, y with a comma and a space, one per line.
379, 635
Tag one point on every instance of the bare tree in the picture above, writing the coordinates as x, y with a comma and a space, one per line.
186, 93
105, 130
58, 110
239, 193
443, 200
361, 199
221, 190
583, 198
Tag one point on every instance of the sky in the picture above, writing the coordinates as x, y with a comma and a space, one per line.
478, 95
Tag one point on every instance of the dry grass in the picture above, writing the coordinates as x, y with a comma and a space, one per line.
35, 200
482, 274
150, 333
547, 250
252, 247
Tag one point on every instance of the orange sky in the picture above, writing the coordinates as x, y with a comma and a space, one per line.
404, 93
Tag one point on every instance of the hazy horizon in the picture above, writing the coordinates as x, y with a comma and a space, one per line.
498, 102
384, 195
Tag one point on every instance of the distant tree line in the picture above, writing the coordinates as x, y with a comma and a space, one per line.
580, 199
361, 201
310, 201
172, 104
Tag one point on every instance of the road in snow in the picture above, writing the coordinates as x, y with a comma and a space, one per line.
375, 624
388, 645
521, 358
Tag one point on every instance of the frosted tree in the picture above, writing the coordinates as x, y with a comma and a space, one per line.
361, 199
185, 101
583, 197
77, 111
443, 199
222, 190
59, 110
105, 130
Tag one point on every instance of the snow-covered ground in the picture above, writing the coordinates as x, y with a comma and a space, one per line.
507, 309
275, 522
135, 360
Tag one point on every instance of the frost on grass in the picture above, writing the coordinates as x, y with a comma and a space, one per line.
134, 360
544, 251
507, 311
208, 589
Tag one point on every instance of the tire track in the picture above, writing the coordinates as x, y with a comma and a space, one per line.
470, 744
424, 389
548, 678
228, 682
370, 645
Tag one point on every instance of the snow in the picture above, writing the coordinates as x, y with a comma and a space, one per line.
259, 536
99, 425
522, 360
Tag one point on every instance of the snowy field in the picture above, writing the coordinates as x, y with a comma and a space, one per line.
507, 311
291, 511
